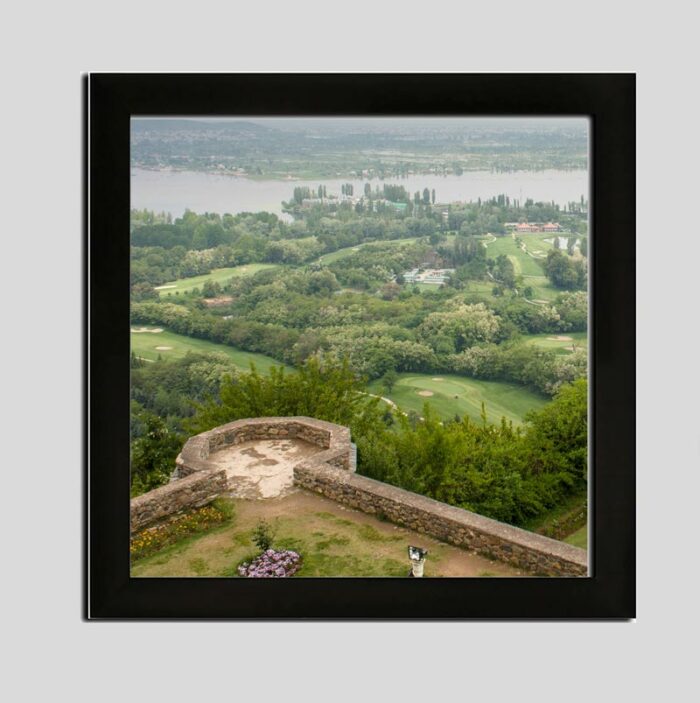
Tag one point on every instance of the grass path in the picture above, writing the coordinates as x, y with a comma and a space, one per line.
144, 345
220, 276
501, 399
332, 539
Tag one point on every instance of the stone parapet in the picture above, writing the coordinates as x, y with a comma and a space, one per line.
197, 481
190, 492
335, 439
497, 540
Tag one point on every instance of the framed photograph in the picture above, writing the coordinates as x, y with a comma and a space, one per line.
360, 346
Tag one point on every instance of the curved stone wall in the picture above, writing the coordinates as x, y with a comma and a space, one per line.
334, 439
197, 481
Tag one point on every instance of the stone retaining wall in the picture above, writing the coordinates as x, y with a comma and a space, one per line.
527, 550
190, 492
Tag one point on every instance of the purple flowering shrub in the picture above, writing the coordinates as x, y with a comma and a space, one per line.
271, 564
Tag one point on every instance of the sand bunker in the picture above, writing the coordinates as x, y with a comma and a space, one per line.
561, 338
427, 394
221, 300
165, 287
163, 348
154, 330
437, 379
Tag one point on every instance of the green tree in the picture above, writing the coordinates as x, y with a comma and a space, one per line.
389, 380
557, 437
152, 454
211, 289
326, 390
263, 535
564, 272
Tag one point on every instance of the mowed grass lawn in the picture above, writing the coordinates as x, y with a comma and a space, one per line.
500, 398
560, 346
332, 540
220, 276
522, 263
145, 345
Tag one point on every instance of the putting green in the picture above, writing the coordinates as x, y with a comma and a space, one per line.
561, 344
501, 399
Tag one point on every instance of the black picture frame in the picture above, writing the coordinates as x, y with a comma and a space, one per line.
111, 100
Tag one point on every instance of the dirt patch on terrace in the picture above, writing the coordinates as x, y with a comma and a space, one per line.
561, 338
153, 330
262, 468
425, 394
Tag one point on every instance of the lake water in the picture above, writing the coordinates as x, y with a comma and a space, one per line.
176, 191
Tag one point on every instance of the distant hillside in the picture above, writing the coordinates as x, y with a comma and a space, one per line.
348, 147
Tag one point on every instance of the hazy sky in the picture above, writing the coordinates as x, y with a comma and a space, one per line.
381, 123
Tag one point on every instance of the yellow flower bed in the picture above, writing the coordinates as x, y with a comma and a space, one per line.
154, 538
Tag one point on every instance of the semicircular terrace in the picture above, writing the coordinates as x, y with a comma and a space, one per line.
259, 455
249, 458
